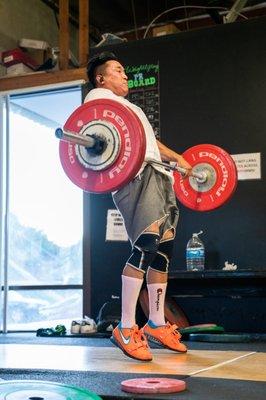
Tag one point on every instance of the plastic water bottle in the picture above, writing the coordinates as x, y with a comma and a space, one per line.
195, 254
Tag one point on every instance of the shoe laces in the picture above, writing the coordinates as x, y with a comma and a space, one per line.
138, 336
172, 329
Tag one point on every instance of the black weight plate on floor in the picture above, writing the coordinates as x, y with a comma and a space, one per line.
228, 337
24, 390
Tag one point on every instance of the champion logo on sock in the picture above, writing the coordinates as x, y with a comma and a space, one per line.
159, 292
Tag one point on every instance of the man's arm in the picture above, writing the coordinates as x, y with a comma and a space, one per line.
170, 155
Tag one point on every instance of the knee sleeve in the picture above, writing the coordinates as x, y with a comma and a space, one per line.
144, 251
163, 256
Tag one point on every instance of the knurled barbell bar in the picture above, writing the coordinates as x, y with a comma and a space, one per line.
103, 146
97, 145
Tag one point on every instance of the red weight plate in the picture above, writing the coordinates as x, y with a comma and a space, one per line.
153, 385
174, 314
131, 155
224, 178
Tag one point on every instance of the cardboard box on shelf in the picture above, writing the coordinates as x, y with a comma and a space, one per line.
164, 30
18, 69
33, 44
38, 50
17, 56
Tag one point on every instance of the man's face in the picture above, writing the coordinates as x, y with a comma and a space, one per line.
114, 78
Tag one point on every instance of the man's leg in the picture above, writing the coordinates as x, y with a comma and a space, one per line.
126, 335
156, 330
157, 284
132, 280
144, 251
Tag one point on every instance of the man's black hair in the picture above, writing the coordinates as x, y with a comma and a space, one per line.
95, 61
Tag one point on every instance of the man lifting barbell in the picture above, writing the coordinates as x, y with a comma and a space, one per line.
151, 229
108, 145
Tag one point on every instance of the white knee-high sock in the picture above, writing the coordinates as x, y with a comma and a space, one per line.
156, 293
130, 293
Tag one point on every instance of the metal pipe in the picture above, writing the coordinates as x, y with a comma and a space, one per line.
6, 218
235, 10
201, 177
87, 141
2, 203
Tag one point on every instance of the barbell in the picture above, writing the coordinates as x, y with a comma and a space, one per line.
102, 148
95, 144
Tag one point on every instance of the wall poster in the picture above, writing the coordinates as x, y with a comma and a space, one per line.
115, 227
144, 91
248, 165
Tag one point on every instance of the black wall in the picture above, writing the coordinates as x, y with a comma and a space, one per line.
212, 90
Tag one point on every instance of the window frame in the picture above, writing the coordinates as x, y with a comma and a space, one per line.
4, 214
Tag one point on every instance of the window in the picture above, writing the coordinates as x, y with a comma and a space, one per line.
45, 215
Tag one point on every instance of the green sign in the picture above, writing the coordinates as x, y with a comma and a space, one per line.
143, 84
142, 75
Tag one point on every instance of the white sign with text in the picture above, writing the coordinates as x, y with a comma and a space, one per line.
115, 227
248, 165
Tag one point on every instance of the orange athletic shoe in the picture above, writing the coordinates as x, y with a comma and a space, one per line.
132, 342
164, 335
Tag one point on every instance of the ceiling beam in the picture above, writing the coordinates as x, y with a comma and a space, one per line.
83, 32
63, 34
237, 7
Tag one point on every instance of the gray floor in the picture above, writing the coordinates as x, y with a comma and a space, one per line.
107, 385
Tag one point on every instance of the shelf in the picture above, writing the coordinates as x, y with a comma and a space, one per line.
10, 83
216, 274
217, 283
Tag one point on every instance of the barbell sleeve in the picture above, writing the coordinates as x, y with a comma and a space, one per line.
201, 177
87, 141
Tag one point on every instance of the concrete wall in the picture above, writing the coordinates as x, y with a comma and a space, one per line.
31, 19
